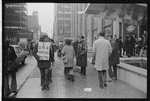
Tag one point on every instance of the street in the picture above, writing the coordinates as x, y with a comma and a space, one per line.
83, 86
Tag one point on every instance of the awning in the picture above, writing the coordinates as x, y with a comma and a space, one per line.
95, 8
112, 11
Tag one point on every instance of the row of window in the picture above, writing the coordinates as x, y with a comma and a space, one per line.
60, 22
64, 15
64, 27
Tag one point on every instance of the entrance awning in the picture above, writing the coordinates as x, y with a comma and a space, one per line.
123, 11
95, 8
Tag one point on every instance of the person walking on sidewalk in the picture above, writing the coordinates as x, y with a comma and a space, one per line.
120, 46
93, 60
102, 50
43, 65
113, 59
69, 53
82, 55
52, 63
9, 56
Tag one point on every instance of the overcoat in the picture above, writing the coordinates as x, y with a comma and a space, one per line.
102, 48
68, 51
114, 57
82, 54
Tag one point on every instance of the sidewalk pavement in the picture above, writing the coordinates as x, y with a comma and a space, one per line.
83, 86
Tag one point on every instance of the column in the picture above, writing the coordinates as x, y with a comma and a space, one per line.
90, 33
116, 28
99, 24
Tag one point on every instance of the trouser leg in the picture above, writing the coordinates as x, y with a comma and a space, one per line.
13, 82
111, 74
100, 74
46, 76
42, 76
115, 71
104, 76
84, 70
93, 60
81, 69
6, 84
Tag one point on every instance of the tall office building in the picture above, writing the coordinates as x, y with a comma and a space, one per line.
68, 23
33, 25
15, 21
62, 23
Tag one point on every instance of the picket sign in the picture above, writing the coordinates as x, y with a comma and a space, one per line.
43, 50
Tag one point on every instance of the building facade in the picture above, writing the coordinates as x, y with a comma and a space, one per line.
15, 22
115, 19
68, 23
33, 25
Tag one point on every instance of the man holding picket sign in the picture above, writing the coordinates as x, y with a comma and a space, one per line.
44, 55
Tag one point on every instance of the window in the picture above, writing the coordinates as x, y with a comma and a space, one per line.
20, 48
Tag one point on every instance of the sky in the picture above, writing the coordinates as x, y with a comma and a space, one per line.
46, 15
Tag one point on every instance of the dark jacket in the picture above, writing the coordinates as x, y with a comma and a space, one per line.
75, 46
120, 44
43, 63
114, 57
82, 54
11, 57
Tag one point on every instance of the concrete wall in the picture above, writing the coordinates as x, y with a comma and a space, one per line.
132, 75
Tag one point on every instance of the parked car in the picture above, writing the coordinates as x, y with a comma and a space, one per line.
21, 54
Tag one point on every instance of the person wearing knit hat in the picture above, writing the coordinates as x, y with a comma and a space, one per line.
44, 65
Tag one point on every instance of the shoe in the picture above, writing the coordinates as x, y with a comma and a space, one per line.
7, 95
47, 87
111, 79
12, 93
105, 85
50, 80
43, 87
93, 63
101, 86
72, 77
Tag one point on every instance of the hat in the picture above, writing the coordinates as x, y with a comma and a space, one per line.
43, 36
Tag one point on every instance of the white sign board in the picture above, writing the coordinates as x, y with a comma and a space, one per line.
43, 50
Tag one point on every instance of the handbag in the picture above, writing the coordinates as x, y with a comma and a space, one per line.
65, 60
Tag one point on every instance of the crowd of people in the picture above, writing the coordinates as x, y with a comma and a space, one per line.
106, 52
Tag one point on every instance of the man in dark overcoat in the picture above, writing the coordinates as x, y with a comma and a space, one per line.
82, 55
114, 57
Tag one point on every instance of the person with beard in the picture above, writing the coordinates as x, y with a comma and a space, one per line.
44, 65
82, 55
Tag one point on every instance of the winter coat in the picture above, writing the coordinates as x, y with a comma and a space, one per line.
43, 63
11, 57
102, 48
114, 57
68, 51
120, 44
75, 46
82, 54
